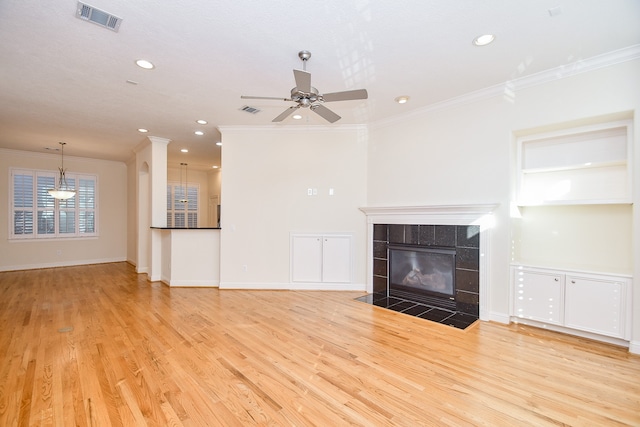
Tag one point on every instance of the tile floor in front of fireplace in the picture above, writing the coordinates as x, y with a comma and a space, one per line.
412, 308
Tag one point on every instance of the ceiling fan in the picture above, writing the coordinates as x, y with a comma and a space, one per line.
307, 96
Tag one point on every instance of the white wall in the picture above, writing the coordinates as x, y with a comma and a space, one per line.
593, 238
265, 176
463, 152
109, 246
215, 182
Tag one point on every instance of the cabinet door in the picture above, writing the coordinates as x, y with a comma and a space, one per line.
306, 258
539, 296
336, 259
595, 305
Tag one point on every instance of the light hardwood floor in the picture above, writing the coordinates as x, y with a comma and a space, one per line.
99, 345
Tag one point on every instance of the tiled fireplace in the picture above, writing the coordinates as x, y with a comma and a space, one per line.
438, 265
435, 256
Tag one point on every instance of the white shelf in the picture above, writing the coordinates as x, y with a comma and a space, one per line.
587, 165
591, 165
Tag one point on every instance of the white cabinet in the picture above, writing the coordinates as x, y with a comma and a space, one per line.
306, 258
588, 302
596, 305
539, 296
321, 258
336, 259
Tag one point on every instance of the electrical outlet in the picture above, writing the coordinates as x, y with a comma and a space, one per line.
245, 268
309, 191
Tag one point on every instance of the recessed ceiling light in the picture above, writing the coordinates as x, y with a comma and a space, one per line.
484, 39
297, 116
402, 99
184, 150
219, 144
143, 63
201, 122
142, 130
199, 133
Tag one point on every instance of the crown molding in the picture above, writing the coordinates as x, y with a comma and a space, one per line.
511, 86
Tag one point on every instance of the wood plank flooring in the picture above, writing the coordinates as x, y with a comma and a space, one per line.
99, 345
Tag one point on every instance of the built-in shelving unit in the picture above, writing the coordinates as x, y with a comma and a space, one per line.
586, 165
589, 167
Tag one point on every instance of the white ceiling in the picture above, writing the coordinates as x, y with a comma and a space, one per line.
64, 79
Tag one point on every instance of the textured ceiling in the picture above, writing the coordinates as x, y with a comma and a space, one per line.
64, 79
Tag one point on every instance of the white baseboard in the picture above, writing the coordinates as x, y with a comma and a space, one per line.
569, 331
498, 317
295, 286
191, 283
61, 264
634, 347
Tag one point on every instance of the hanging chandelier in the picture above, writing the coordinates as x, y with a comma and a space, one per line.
62, 190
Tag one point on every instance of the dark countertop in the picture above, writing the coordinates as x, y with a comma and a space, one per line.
185, 228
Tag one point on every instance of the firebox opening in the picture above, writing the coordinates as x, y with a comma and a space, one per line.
423, 274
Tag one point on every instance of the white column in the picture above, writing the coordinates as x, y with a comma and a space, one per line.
151, 187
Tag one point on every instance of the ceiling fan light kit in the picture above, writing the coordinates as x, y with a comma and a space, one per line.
307, 96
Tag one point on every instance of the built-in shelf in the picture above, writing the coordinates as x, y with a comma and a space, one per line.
589, 165
586, 165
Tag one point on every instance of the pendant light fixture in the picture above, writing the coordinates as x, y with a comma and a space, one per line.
185, 199
62, 190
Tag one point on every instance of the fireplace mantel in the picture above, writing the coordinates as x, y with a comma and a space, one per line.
431, 214
471, 214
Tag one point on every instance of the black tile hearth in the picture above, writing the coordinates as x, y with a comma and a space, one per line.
451, 318
437, 315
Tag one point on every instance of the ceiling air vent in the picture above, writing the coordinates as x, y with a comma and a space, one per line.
97, 16
251, 110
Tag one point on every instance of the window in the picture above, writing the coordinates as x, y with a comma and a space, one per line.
182, 210
35, 214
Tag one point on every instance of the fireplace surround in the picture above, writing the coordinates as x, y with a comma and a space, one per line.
437, 265
466, 228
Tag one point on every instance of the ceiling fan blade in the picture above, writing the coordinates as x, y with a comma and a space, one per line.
303, 80
346, 95
325, 113
285, 114
263, 97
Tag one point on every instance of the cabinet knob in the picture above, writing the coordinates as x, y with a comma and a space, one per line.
556, 279
573, 281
